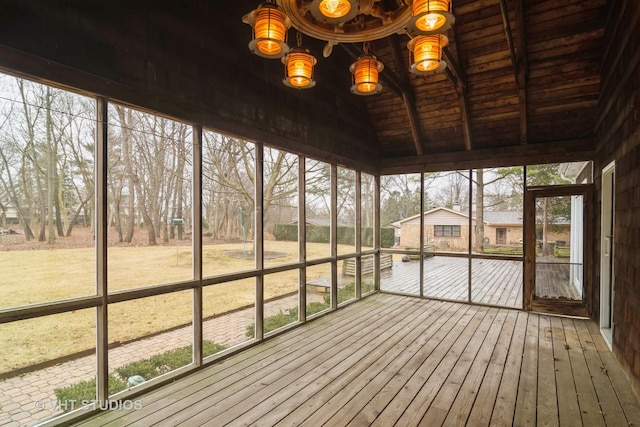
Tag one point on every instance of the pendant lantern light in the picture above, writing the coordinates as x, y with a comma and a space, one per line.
270, 25
350, 21
430, 17
334, 11
366, 72
298, 67
425, 53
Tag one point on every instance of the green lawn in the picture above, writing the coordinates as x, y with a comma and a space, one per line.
36, 276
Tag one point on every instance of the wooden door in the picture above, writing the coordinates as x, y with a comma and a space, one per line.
558, 235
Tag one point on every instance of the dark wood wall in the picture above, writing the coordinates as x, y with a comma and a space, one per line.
190, 60
618, 138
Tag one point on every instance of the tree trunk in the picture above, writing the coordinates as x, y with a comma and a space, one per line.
127, 153
51, 175
180, 179
545, 244
76, 216
59, 205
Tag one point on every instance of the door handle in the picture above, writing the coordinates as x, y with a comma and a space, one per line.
607, 246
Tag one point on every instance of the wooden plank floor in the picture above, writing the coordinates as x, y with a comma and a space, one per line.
397, 360
494, 282
553, 281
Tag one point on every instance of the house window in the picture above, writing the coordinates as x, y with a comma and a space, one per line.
447, 231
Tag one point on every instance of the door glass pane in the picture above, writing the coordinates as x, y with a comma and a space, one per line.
559, 247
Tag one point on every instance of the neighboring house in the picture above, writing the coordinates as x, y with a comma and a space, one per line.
8, 215
503, 228
448, 229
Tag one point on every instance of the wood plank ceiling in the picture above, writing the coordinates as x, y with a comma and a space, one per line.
523, 80
520, 72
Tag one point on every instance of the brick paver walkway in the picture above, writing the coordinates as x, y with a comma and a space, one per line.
29, 398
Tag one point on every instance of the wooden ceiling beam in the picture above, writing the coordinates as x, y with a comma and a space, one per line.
408, 95
523, 71
459, 82
518, 54
507, 32
511, 155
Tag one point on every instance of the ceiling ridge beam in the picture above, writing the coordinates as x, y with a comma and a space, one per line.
408, 95
543, 152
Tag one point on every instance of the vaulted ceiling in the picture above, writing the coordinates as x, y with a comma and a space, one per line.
522, 82
520, 72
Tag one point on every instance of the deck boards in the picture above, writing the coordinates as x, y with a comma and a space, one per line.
398, 360
494, 282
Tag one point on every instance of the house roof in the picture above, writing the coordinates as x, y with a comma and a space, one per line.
503, 217
490, 217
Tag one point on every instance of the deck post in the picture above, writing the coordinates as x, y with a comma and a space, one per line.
358, 235
470, 235
334, 236
102, 343
422, 242
196, 232
259, 241
302, 239
376, 232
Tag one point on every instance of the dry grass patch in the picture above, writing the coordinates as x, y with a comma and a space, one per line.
36, 276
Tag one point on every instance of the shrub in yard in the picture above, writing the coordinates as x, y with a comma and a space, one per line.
168, 361
71, 396
285, 317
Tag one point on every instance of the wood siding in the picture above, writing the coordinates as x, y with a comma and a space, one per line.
618, 138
